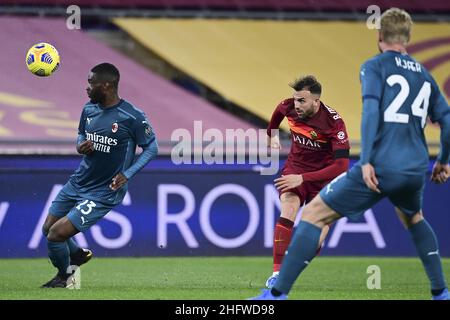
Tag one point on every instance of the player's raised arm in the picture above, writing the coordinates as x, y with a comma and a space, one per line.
273, 139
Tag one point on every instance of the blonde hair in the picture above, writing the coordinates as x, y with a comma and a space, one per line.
395, 26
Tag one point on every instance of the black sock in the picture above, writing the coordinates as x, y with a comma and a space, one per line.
77, 254
276, 293
436, 292
64, 276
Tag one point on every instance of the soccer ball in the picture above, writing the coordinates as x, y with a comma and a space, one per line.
42, 59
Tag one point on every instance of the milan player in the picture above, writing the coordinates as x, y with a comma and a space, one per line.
109, 131
399, 95
319, 153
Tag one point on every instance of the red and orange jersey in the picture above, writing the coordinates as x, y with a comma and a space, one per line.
314, 140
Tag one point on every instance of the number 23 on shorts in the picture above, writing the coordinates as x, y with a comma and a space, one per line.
86, 206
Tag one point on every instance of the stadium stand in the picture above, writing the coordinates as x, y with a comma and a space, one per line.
267, 56
251, 62
41, 115
338, 5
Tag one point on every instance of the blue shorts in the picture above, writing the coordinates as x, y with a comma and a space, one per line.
349, 196
80, 210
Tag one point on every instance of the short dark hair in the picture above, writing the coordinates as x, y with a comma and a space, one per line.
107, 72
309, 83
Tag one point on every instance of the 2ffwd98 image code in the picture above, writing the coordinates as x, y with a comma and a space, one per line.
226, 309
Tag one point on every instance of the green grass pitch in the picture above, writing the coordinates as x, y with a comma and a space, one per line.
216, 278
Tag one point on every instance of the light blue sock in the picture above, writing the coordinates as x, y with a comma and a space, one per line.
73, 246
300, 252
427, 247
58, 253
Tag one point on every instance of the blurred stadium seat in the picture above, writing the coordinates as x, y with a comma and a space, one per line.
41, 115
324, 5
251, 62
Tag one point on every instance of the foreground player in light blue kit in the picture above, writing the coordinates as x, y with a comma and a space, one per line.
110, 129
398, 96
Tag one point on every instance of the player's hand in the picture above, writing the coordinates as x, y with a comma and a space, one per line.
289, 181
86, 147
118, 182
368, 173
274, 142
440, 173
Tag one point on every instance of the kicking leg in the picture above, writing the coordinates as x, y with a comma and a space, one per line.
290, 204
427, 248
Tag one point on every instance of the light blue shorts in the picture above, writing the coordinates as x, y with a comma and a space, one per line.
349, 196
80, 210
